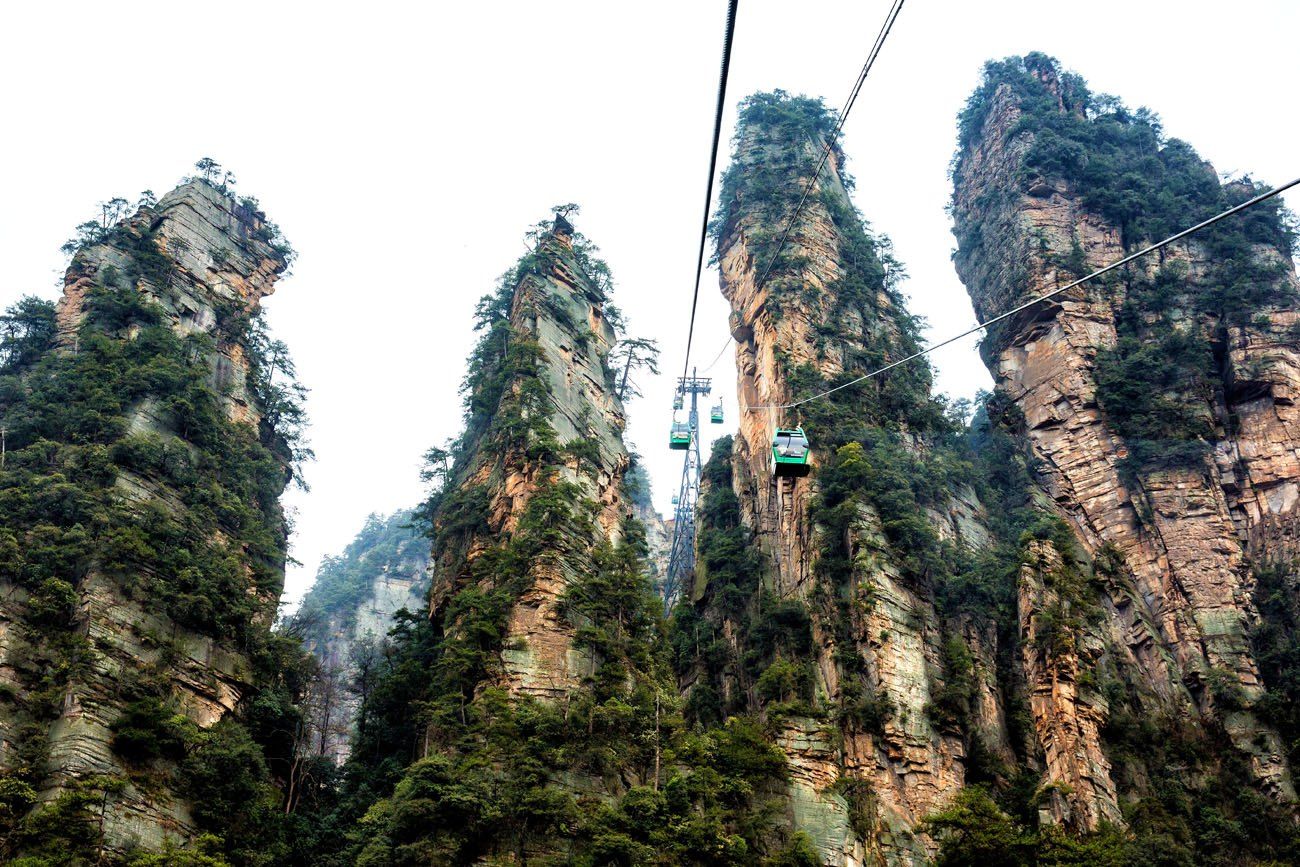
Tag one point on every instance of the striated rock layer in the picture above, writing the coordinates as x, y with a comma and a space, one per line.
205, 260
1183, 535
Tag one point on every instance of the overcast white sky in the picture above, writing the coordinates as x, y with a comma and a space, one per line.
405, 148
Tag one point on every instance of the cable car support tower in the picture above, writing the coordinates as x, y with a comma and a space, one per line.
681, 557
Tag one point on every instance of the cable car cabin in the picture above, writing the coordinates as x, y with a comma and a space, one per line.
677, 401
790, 453
679, 438
677, 499
715, 414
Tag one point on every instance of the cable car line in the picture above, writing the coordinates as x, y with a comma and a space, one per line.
713, 167
685, 436
718, 357
830, 140
1262, 197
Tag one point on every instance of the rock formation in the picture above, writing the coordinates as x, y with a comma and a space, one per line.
543, 687
869, 755
144, 539
1067, 630
1159, 405
555, 422
1067, 595
347, 615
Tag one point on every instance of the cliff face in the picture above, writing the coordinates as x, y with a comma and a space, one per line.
1159, 405
145, 540
346, 617
869, 754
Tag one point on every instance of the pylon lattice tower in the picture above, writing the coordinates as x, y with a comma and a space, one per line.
681, 557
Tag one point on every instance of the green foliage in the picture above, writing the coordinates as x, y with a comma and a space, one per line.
974, 830
149, 730
501, 800
726, 556
68, 417
616, 609
1156, 385
879, 471
951, 700
27, 331
632, 355
63, 832
769, 657
1193, 796
394, 684
97, 230
786, 130
1276, 642
69, 420
491, 779
272, 379
181, 514
226, 778
205, 851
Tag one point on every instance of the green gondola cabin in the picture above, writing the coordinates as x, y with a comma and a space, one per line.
791, 456
715, 414
679, 438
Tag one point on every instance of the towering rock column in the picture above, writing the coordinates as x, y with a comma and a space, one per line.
1182, 520
546, 728
827, 311
544, 418
132, 599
